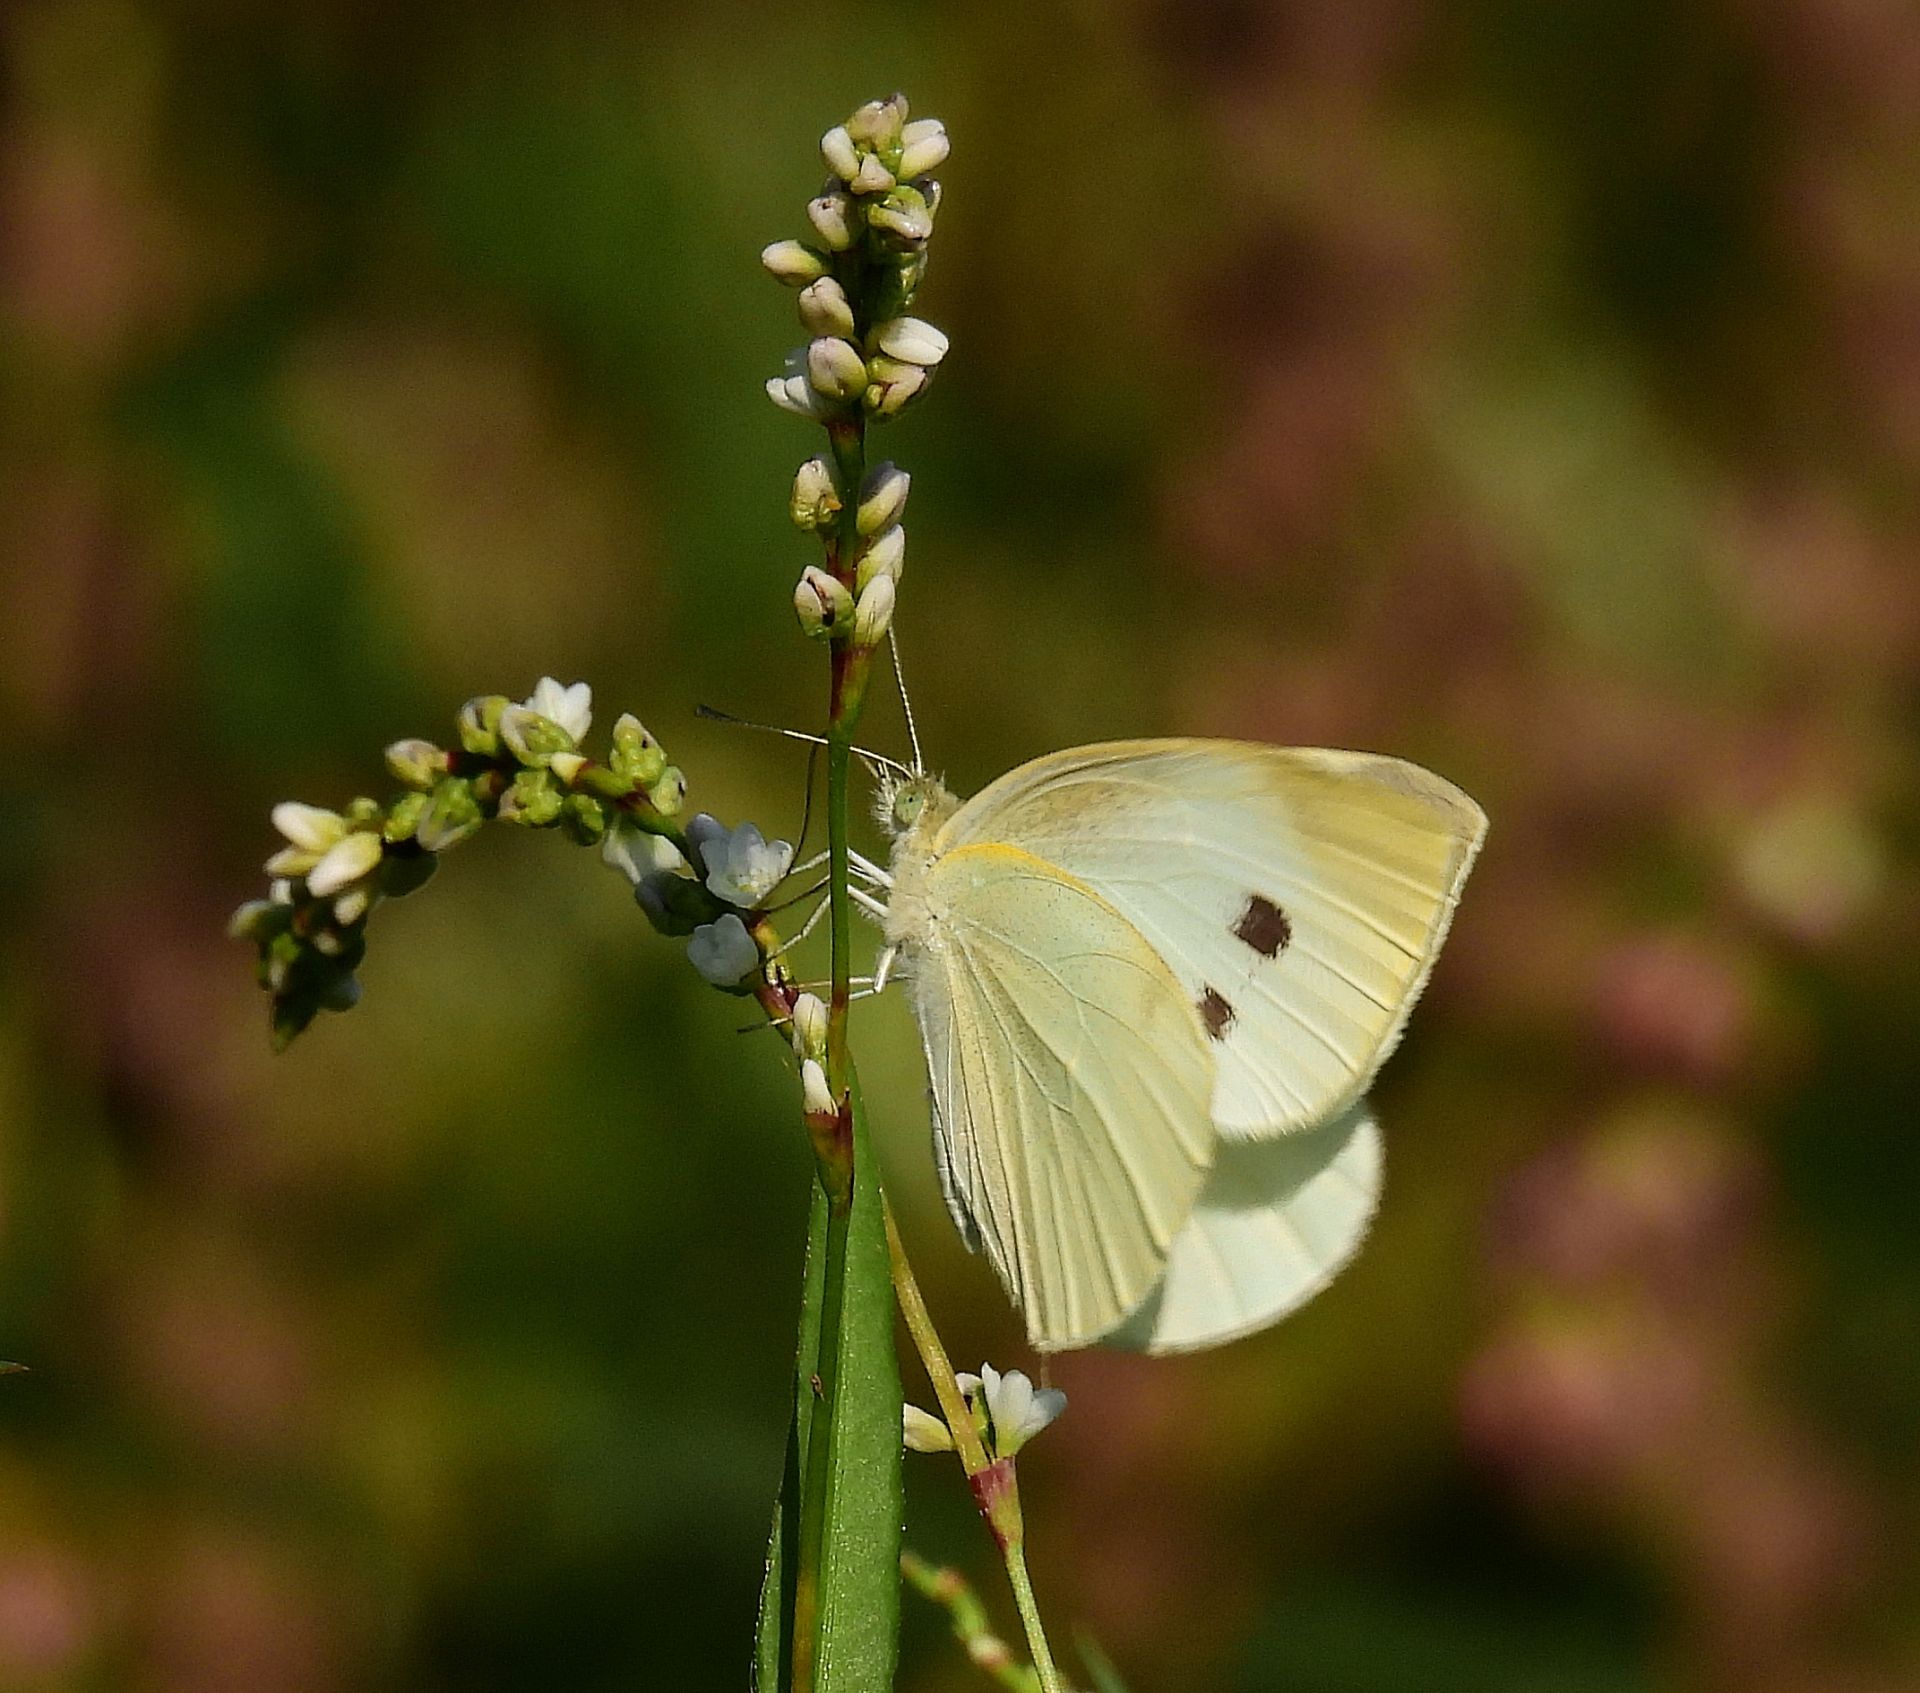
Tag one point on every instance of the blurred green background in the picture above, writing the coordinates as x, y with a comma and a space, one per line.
1530, 390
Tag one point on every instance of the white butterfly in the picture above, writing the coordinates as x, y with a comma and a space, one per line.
1154, 980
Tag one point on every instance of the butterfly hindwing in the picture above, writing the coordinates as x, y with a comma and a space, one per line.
1276, 1221
1299, 895
1071, 1078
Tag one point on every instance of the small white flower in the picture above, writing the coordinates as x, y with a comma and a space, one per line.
343, 863
309, 831
307, 826
816, 1098
1017, 1410
922, 1431
743, 866
640, 855
570, 707
723, 952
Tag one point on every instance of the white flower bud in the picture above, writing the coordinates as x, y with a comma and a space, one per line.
831, 217
873, 177
793, 262
883, 497
346, 861
809, 1026
821, 601
816, 1098
912, 340
836, 369
723, 951
842, 157
794, 394
886, 555
923, 147
904, 213
824, 309
816, 501
878, 122
567, 766
891, 384
307, 826
416, 763
922, 1431
354, 904
874, 612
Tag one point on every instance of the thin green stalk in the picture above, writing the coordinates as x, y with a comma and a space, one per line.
834, 1150
1029, 1609
993, 1482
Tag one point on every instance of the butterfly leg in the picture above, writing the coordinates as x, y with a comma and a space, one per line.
864, 866
883, 968
875, 908
805, 929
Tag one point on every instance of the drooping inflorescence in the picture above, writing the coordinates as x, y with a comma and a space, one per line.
514, 762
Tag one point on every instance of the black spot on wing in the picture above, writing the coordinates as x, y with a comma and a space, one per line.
1216, 1013
1264, 926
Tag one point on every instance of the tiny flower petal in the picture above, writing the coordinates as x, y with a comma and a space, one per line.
883, 497
835, 368
638, 854
344, 862
842, 157
570, 707
922, 1431
831, 217
723, 951
308, 826
872, 177
911, 339
924, 147
745, 867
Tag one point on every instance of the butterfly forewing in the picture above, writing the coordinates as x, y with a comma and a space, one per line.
1298, 895
1276, 1221
1071, 1078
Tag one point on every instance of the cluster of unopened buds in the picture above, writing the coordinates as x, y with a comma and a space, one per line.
1007, 1411
859, 268
518, 762
826, 606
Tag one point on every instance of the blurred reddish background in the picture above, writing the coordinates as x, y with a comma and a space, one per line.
1533, 391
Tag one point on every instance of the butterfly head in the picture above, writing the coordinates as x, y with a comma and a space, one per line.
914, 804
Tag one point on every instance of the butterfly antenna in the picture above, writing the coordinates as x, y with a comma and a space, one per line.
906, 705
876, 761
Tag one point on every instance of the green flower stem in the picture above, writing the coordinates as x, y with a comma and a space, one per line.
994, 1485
947, 1588
933, 1357
1023, 1600
833, 1140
